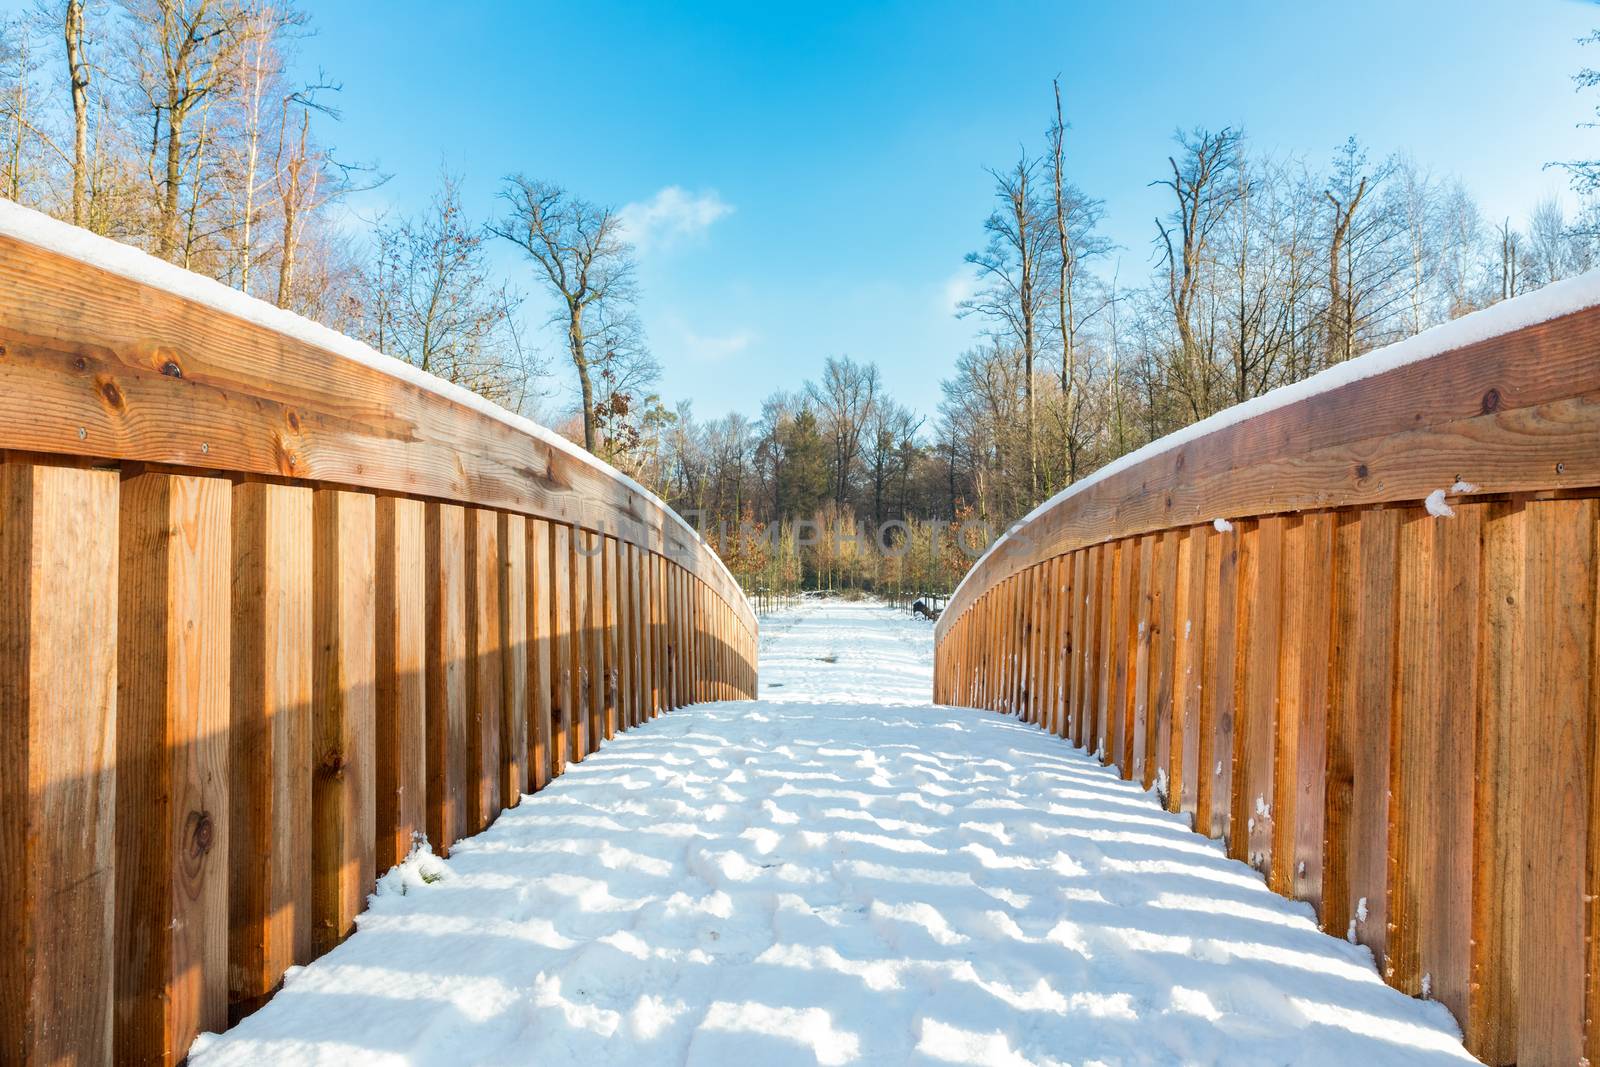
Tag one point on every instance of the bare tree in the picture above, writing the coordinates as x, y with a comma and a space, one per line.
587, 266
845, 398
1076, 217
435, 305
1205, 191
180, 56
1012, 266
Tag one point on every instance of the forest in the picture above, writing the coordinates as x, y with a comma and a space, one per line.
188, 128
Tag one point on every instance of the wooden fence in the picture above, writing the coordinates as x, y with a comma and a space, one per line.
271, 606
1390, 712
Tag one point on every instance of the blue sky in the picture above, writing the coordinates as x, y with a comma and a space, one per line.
829, 157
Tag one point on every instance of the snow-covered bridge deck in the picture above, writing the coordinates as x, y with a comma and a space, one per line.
839, 873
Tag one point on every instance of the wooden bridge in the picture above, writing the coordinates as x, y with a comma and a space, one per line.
1352, 631
273, 605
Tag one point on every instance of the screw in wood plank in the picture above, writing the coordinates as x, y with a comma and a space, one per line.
82, 433
1561, 468
204, 448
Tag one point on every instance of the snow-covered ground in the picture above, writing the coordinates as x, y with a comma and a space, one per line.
839, 873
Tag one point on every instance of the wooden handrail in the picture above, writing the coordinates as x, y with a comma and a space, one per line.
1352, 630
273, 605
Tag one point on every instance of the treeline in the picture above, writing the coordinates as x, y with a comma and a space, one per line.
1267, 269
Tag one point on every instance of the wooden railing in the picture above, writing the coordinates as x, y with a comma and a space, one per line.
1393, 714
271, 605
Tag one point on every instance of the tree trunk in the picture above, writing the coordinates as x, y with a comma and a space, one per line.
78, 81
580, 361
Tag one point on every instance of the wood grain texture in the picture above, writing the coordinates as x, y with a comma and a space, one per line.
485, 669
58, 685
1554, 744
401, 639
564, 658
174, 576
1499, 790
343, 796
514, 648
541, 656
446, 738
152, 377
1256, 722
269, 819
1189, 667
1309, 562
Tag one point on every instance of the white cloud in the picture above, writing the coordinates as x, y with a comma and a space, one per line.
672, 215
714, 348
960, 286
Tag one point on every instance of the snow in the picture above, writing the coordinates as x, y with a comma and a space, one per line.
53, 235
839, 873
1542, 305
1221, 525
1437, 507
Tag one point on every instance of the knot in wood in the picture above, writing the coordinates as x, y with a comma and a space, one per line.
334, 763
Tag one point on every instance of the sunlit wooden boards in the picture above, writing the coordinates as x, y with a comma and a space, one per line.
174, 577
1391, 713
150, 376
446, 675
343, 714
270, 732
58, 688
401, 642
269, 614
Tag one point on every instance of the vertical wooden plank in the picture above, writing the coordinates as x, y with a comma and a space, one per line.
58, 684
602, 707
1555, 744
514, 659
1111, 627
1033, 630
1260, 637
1309, 626
1136, 763
1339, 792
1215, 800
485, 669
1188, 669
1093, 656
173, 647
1366, 679
1061, 645
269, 797
663, 638
563, 684
583, 638
1435, 705
343, 793
446, 704
670, 648
541, 679
652, 625
611, 622
1499, 792
635, 661
1125, 653
401, 614
1163, 654
1079, 626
